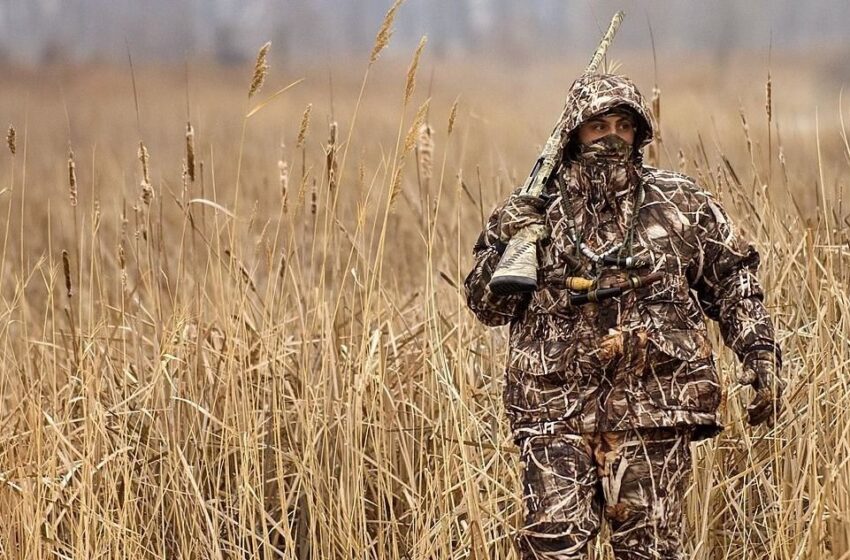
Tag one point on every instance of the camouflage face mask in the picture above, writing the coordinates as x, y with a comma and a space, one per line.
604, 170
608, 149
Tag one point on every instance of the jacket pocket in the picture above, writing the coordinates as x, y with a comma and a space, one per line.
674, 322
673, 383
532, 398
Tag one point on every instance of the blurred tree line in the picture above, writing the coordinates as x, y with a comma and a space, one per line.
41, 31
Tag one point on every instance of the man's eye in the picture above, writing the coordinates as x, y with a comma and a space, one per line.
626, 126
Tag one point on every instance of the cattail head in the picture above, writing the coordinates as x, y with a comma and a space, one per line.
66, 269
11, 137
330, 157
768, 98
72, 177
314, 197
382, 39
122, 260
190, 151
305, 125
410, 84
261, 68
332, 134
452, 117
147, 189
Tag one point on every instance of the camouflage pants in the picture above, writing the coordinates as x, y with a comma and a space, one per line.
635, 478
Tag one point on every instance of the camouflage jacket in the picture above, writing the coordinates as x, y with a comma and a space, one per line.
642, 359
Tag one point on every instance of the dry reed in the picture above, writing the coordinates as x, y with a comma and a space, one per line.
275, 394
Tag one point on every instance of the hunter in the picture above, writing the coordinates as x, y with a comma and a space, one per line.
605, 397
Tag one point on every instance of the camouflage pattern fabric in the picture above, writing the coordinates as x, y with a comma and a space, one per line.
642, 359
635, 480
519, 212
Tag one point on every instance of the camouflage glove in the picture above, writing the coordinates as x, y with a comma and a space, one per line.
520, 212
761, 372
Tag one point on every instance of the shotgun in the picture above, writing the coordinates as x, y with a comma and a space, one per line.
517, 269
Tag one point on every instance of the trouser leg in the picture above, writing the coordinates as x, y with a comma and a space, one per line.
561, 513
645, 475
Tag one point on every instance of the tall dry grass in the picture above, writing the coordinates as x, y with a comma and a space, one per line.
199, 361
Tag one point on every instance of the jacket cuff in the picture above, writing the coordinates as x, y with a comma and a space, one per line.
767, 352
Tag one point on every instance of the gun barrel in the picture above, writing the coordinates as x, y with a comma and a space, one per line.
606, 41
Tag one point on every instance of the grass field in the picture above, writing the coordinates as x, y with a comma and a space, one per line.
273, 359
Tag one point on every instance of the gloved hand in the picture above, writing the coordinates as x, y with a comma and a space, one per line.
762, 373
520, 212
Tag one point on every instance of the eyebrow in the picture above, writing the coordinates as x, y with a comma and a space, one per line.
620, 116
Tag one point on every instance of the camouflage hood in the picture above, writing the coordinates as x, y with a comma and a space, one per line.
592, 94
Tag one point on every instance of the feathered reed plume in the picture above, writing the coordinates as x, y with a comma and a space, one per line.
11, 136
452, 117
361, 176
410, 84
72, 177
418, 120
66, 269
382, 39
147, 189
190, 151
330, 157
261, 68
395, 189
746, 126
409, 142
425, 153
305, 125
